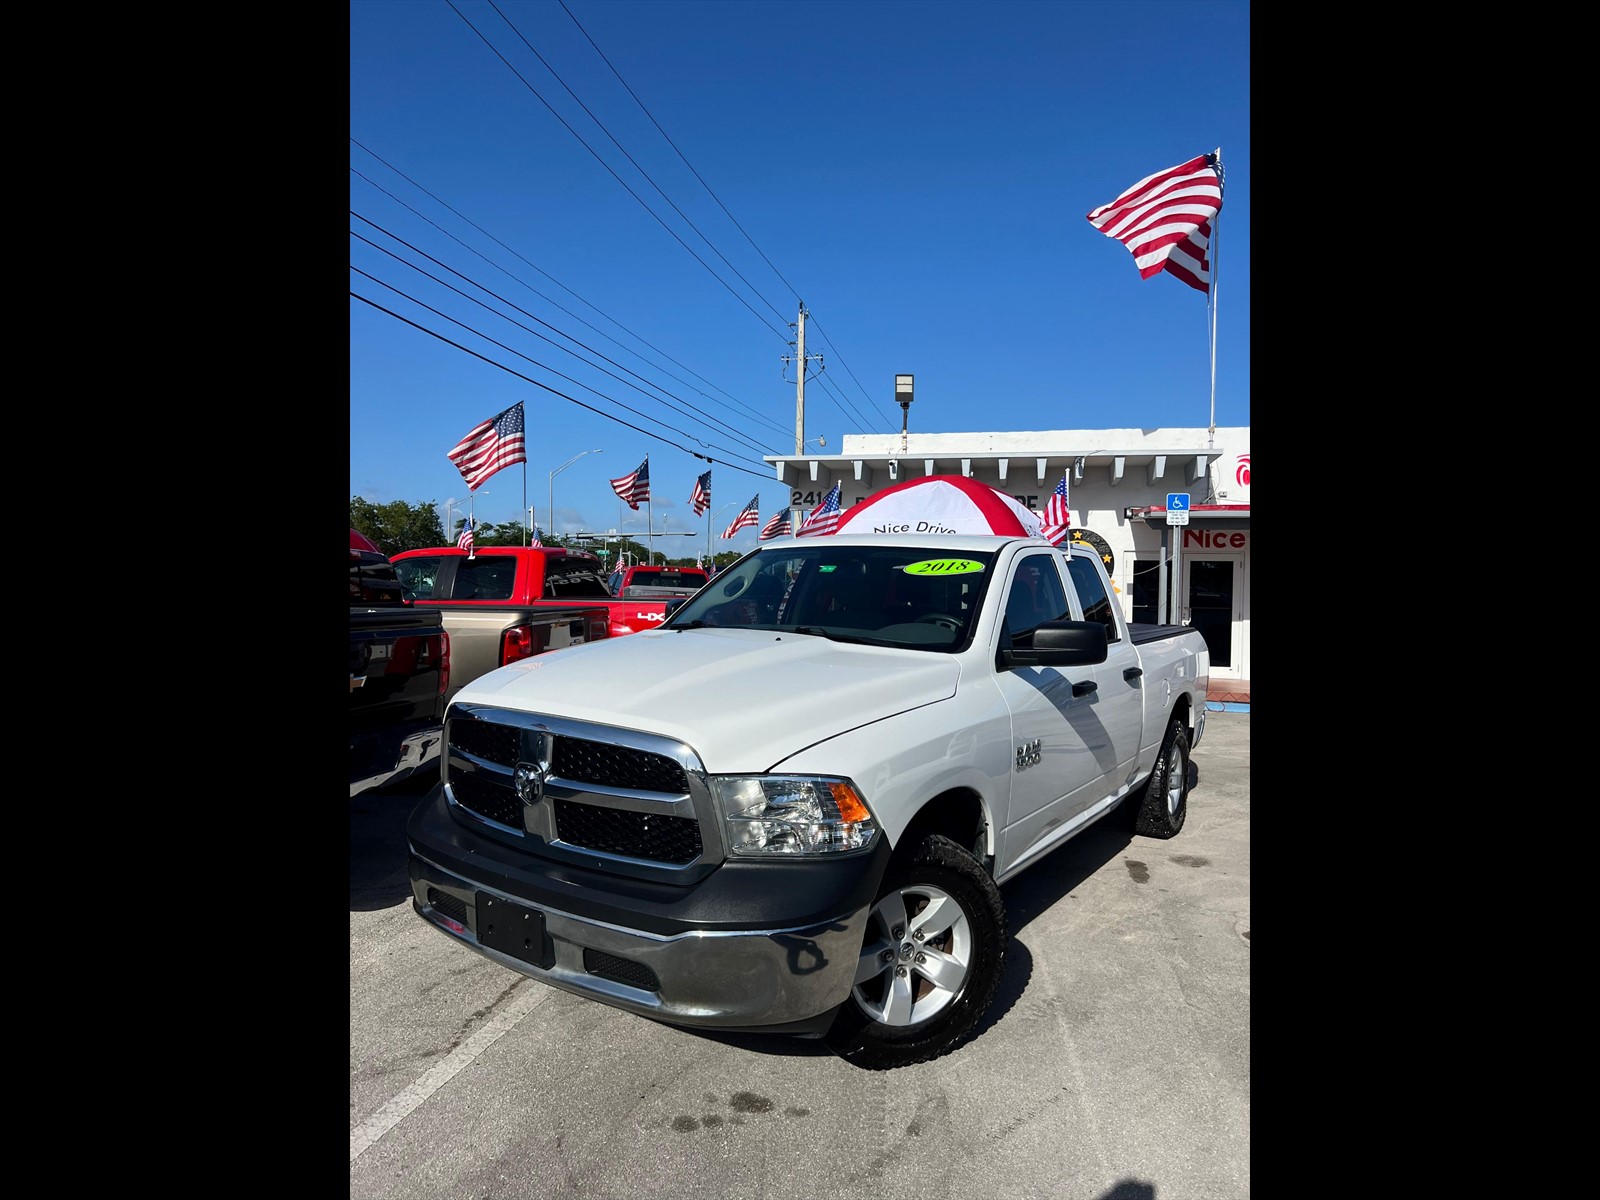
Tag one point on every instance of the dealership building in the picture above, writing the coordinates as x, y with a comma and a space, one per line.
1168, 510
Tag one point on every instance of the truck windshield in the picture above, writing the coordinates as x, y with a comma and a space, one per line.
889, 595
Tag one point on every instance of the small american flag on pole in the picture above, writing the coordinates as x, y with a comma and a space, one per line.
490, 445
634, 486
1165, 220
701, 499
748, 515
1057, 520
776, 527
824, 517
464, 542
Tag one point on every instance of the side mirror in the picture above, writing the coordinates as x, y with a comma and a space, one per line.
1058, 644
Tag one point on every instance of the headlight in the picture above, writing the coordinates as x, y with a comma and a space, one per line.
792, 814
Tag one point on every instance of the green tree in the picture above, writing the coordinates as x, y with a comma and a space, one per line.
510, 533
398, 526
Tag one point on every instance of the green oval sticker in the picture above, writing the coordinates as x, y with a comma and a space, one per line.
943, 566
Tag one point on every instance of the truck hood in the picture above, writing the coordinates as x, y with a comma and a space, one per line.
744, 699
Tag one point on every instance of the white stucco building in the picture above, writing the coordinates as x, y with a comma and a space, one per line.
1118, 484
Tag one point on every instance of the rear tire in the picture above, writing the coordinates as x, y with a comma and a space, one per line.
1161, 808
940, 973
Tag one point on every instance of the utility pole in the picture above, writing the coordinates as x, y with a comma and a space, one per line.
800, 356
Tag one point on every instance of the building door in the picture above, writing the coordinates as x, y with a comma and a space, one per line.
1211, 607
1218, 606
1147, 590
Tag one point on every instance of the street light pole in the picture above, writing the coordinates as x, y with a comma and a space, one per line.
550, 506
450, 504
710, 517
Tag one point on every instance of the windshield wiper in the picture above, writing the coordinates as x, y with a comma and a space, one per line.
817, 631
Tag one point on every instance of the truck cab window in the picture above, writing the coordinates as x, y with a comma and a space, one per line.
1096, 603
1036, 597
417, 576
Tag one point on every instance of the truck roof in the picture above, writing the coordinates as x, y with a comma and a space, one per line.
480, 551
934, 541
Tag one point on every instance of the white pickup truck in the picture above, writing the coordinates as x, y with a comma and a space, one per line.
787, 809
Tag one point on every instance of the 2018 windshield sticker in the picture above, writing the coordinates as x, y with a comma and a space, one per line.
943, 566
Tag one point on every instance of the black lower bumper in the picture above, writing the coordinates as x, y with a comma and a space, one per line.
751, 946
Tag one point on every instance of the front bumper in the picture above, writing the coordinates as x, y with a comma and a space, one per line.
388, 756
753, 946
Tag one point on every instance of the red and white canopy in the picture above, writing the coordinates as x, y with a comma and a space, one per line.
941, 504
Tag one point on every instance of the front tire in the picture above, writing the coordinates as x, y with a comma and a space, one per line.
1163, 805
930, 961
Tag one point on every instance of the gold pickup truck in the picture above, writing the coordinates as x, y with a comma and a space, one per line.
502, 604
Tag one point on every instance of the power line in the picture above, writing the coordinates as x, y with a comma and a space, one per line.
764, 474
631, 159
846, 366
751, 442
840, 400
679, 153
709, 192
827, 388
554, 304
614, 175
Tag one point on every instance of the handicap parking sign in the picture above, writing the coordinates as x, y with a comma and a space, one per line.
1177, 508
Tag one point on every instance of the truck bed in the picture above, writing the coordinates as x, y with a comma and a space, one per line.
1142, 632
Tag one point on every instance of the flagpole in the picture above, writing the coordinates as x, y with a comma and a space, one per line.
525, 496
1211, 307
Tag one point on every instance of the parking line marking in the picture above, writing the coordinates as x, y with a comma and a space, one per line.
407, 1102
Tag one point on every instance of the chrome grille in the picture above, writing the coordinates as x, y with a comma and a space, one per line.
631, 834
489, 796
493, 743
617, 766
601, 796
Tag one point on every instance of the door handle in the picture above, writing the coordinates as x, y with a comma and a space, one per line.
1132, 672
1084, 688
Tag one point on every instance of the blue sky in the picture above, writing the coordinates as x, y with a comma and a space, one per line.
613, 209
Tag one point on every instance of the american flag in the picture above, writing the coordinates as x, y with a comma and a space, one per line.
635, 486
701, 500
823, 517
1165, 220
1057, 520
495, 443
536, 541
748, 515
779, 525
464, 541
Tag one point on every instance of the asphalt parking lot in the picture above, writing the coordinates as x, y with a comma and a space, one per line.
1114, 1064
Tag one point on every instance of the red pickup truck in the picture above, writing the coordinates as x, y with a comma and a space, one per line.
657, 583
504, 603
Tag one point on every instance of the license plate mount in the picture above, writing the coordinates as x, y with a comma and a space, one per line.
512, 928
